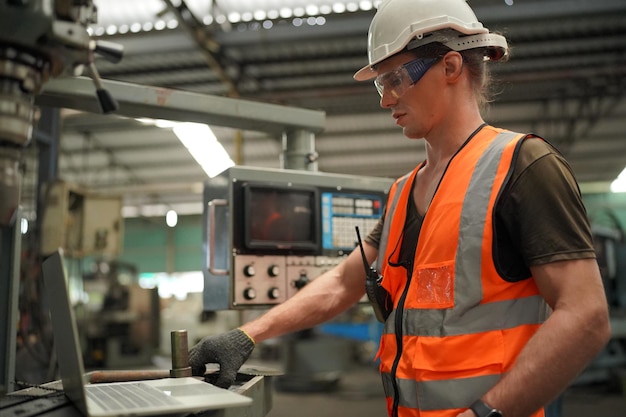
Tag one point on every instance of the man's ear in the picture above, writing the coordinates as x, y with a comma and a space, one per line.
453, 65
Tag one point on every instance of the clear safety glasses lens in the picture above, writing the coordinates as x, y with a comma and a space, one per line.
396, 82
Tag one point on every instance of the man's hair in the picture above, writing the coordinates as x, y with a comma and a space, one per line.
475, 60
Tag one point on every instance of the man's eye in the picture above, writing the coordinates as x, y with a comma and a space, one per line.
393, 81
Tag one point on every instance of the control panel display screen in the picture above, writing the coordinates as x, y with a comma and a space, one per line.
281, 218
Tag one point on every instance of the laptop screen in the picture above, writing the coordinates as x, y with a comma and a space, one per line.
69, 355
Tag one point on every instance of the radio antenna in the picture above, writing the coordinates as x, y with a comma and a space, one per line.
358, 236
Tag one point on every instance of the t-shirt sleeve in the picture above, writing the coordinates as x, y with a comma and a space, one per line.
541, 214
373, 238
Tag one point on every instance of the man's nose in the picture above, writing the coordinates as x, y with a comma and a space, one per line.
387, 99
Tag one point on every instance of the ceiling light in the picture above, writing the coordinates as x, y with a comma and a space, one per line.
366, 5
312, 10
171, 218
202, 144
619, 184
339, 7
135, 27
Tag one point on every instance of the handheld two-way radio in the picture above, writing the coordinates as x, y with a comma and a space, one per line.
378, 296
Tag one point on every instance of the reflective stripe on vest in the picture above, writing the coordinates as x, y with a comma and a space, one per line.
391, 205
462, 324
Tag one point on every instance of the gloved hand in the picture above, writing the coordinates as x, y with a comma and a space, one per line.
230, 350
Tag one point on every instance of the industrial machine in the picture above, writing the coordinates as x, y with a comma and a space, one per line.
39, 40
120, 326
269, 232
44, 46
610, 246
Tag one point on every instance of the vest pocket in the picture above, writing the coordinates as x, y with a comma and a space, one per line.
465, 355
432, 286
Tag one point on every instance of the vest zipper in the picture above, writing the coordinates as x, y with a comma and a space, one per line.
398, 332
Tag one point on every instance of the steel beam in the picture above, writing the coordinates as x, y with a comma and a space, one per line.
161, 103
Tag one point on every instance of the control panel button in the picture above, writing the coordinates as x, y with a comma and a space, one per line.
273, 293
249, 293
302, 280
273, 270
249, 270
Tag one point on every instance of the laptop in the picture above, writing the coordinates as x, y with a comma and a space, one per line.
137, 398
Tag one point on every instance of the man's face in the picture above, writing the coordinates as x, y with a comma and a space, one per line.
408, 88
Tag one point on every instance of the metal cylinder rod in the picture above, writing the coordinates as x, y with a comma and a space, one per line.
299, 150
180, 354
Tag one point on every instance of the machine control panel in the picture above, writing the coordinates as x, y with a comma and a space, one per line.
267, 280
269, 233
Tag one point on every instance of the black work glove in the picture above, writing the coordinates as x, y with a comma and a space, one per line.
230, 350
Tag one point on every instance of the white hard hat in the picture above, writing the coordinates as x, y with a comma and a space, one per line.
400, 24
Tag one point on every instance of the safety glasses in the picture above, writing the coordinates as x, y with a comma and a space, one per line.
397, 81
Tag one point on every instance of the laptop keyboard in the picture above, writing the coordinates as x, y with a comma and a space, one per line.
128, 396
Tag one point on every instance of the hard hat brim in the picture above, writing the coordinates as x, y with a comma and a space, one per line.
365, 73
491, 41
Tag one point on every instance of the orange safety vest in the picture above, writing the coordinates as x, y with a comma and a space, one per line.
456, 324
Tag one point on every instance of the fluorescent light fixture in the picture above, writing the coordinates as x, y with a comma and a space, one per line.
619, 184
202, 144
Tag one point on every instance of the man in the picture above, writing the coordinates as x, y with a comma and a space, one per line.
473, 244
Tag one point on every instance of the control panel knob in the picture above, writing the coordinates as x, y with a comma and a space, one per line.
249, 294
273, 293
249, 270
302, 280
273, 270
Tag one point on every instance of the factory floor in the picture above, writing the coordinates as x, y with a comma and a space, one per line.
358, 393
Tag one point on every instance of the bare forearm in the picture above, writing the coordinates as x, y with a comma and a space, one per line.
319, 301
310, 307
551, 360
